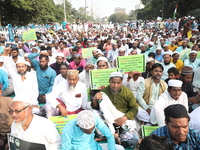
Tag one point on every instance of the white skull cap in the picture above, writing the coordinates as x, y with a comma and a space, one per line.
85, 119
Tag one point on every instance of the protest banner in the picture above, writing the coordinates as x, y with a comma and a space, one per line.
61, 121
29, 35
15, 143
100, 78
135, 63
146, 130
198, 55
87, 52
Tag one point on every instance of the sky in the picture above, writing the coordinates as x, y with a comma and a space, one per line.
106, 7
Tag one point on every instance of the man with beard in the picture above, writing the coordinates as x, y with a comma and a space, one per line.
176, 61
149, 63
113, 53
59, 60
84, 75
45, 74
73, 97
166, 64
192, 61
24, 83
94, 58
148, 92
187, 87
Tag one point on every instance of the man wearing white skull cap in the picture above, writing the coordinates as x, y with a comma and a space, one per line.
79, 133
174, 95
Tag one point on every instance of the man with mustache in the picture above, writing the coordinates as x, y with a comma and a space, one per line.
72, 94
45, 74
177, 129
192, 61
148, 92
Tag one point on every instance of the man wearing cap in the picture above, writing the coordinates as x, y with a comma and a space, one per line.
159, 55
79, 133
172, 46
148, 92
84, 75
166, 49
45, 74
176, 61
94, 58
71, 92
6, 119
174, 95
59, 60
32, 128
177, 129
187, 87
113, 53
124, 45
121, 52
102, 63
166, 64
24, 83
118, 105
192, 61
149, 63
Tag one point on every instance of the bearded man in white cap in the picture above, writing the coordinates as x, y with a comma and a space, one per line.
119, 107
24, 83
84, 75
79, 133
59, 60
192, 61
32, 128
72, 94
174, 95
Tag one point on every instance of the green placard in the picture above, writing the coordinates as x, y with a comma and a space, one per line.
134, 63
100, 78
198, 55
87, 52
29, 35
61, 121
146, 130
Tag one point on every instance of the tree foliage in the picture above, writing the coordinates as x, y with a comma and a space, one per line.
118, 17
155, 8
23, 12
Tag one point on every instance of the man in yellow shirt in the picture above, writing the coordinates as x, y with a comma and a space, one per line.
176, 61
172, 46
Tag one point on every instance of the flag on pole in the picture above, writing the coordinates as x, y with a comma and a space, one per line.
175, 11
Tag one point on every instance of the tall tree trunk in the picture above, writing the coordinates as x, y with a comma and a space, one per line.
0, 20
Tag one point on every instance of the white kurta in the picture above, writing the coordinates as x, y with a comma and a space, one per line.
73, 100
164, 100
195, 119
28, 88
57, 80
40, 130
132, 85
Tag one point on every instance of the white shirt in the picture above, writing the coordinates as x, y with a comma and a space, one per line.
112, 54
70, 98
28, 87
57, 80
164, 100
52, 59
84, 78
166, 67
194, 119
40, 130
132, 85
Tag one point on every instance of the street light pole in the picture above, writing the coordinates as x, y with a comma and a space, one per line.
65, 18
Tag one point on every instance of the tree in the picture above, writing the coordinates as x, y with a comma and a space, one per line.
132, 15
118, 17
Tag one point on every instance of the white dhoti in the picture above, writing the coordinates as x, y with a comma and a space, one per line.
110, 114
142, 115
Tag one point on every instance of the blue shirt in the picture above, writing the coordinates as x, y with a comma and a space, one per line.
74, 139
3, 79
159, 57
45, 77
192, 142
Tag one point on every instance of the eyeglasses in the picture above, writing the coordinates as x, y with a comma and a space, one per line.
17, 111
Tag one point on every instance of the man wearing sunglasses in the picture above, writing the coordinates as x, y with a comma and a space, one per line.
32, 128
